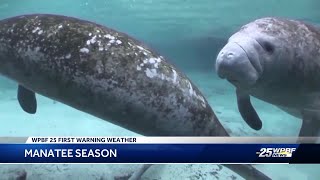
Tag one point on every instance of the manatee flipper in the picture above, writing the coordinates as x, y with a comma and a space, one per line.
137, 175
310, 123
27, 100
247, 111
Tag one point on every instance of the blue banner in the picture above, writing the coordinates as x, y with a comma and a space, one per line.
159, 153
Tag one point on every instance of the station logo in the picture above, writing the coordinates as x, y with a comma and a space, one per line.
275, 152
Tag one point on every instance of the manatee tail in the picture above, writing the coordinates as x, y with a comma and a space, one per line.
246, 171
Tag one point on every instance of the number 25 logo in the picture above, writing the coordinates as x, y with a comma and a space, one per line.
265, 152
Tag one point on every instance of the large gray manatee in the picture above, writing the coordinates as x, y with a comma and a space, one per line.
278, 61
105, 73
102, 72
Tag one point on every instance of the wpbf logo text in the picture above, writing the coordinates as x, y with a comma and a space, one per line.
276, 152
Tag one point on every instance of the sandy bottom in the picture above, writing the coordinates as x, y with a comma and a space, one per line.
56, 119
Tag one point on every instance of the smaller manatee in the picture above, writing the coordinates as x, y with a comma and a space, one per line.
276, 60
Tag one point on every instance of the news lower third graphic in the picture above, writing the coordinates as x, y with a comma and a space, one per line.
155, 150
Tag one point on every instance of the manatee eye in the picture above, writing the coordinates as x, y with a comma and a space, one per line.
267, 46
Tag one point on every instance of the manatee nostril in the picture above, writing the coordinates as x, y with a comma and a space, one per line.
230, 55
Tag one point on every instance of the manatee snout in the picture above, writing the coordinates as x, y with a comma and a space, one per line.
234, 64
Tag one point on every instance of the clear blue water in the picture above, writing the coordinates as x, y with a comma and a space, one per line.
189, 33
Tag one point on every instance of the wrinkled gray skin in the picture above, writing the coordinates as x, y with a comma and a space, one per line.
278, 61
105, 73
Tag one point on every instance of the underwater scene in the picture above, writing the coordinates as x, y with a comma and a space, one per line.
191, 35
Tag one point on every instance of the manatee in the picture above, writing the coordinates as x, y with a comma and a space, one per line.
246, 171
276, 60
102, 72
